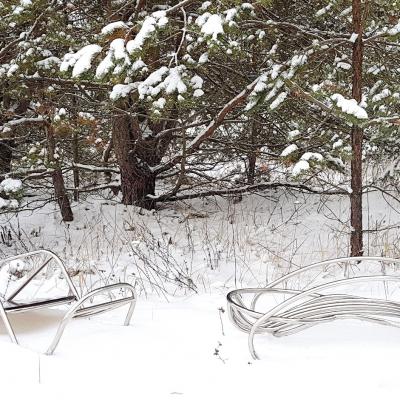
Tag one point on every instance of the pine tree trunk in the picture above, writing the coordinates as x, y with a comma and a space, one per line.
75, 154
252, 156
104, 160
137, 180
5, 156
58, 180
356, 239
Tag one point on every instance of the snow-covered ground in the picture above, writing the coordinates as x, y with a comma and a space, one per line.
181, 343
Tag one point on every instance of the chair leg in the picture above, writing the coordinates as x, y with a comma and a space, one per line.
73, 310
59, 333
130, 312
9, 328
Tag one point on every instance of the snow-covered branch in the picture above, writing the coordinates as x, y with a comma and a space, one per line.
249, 189
210, 129
93, 168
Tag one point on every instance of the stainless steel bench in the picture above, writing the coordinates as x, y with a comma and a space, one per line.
119, 294
315, 304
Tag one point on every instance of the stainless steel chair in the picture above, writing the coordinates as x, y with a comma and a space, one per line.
314, 304
119, 294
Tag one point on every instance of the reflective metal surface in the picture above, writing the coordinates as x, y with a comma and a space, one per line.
119, 294
79, 311
302, 309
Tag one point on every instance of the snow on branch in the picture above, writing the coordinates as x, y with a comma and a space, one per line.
24, 121
392, 120
8, 126
210, 129
94, 168
248, 189
349, 106
178, 6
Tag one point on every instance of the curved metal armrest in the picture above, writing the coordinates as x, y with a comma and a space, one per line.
315, 290
77, 310
334, 261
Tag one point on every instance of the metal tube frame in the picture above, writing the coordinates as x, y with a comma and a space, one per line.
74, 311
292, 315
77, 310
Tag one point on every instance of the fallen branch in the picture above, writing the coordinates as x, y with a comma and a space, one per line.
248, 189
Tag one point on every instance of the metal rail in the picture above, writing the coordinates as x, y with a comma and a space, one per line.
306, 308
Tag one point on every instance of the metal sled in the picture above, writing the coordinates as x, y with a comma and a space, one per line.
78, 309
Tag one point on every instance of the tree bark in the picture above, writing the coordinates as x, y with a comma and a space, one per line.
252, 156
75, 155
104, 161
5, 156
356, 239
57, 177
137, 179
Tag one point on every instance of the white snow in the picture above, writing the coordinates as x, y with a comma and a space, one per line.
138, 64
117, 52
167, 79
294, 133
113, 26
121, 90
147, 86
146, 30
382, 95
300, 166
198, 93
346, 11
157, 19
173, 82
312, 156
160, 103
3, 204
344, 65
324, 10
247, 6
105, 66
230, 14
338, 143
205, 5
350, 107
213, 26
196, 82
49, 62
395, 30
13, 68
81, 61
289, 150
18, 10
184, 346
203, 58
298, 60
278, 101
10, 185
353, 37
259, 88
117, 47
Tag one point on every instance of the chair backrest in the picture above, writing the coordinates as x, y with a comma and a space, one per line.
347, 274
25, 267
